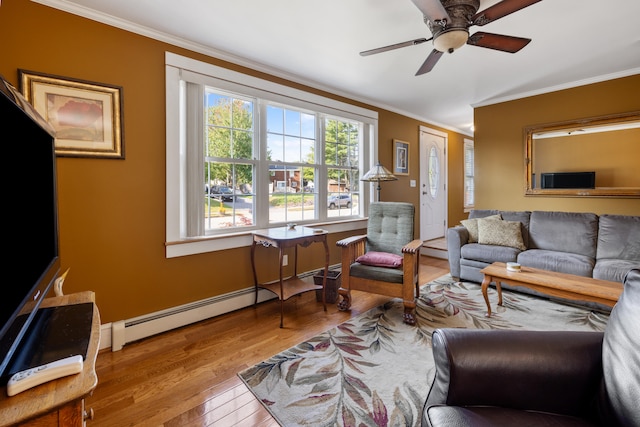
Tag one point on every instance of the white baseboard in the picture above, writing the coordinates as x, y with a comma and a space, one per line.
116, 334
433, 252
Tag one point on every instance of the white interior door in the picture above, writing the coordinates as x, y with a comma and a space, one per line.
433, 185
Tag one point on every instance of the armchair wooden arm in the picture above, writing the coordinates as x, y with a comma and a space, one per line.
352, 248
351, 240
412, 247
411, 262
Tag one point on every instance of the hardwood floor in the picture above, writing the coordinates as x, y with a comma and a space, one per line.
188, 376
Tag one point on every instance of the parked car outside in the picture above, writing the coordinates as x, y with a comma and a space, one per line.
339, 200
222, 192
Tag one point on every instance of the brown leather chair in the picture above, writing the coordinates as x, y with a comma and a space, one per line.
389, 231
540, 378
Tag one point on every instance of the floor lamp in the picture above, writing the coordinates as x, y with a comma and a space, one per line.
377, 174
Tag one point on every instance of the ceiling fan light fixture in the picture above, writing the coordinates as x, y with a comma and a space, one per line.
450, 40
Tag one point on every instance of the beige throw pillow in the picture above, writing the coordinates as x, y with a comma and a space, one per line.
472, 226
502, 233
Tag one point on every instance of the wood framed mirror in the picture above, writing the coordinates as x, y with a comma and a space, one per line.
591, 157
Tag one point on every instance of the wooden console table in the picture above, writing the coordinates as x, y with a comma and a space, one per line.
282, 238
577, 288
59, 402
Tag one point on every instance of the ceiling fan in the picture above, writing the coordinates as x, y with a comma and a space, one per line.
449, 22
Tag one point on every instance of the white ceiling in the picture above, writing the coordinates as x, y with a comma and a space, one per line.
318, 43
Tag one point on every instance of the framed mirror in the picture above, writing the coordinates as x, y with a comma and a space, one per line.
592, 157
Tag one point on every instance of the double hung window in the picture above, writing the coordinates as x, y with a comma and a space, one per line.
265, 155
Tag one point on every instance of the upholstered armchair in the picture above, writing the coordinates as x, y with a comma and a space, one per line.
540, 378
384, 261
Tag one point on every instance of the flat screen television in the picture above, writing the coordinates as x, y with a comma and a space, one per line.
31, 261
568, 180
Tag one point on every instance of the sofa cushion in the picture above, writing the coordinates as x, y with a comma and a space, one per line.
532, 371
561, 262
486, 416
501, 233
390, 226
471, 225
393, 275
489, 253
570, 232
619, 237
470, 270
613, 270
621, 358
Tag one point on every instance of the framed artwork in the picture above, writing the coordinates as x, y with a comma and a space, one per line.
400, 157
86, 116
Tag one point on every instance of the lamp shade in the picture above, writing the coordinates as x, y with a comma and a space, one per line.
378, 173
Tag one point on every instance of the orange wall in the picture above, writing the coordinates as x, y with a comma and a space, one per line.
455, 176
500, 146
607, 154
112, 212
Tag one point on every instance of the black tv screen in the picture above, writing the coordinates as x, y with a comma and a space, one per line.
568, 180
32, 262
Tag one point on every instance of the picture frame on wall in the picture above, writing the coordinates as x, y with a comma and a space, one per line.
400, 157
86, 116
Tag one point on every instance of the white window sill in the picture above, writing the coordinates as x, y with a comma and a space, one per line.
237, 240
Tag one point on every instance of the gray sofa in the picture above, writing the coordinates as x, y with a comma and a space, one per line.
604, 247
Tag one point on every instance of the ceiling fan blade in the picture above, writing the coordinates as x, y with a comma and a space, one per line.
430, 62
394, 46
498, 41
498, 10
432, 9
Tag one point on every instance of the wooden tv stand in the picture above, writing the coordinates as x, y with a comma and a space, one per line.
59, 402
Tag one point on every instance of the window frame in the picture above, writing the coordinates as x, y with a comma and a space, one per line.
179, 71
468, 145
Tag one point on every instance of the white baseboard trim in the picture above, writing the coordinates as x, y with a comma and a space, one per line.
435, 253
116, 334
119, 333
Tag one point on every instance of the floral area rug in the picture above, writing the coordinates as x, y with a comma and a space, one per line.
375, 370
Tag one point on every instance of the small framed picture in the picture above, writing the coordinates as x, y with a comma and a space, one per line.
400, 157
86, 116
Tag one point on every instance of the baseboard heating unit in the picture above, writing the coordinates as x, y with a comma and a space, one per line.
126, 331
137, 328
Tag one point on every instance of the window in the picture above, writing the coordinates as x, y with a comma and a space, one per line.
341, 152
228, 166
433, 173
291, 146
469, 187
265, 155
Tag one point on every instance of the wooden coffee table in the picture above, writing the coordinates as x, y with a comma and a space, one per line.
569, 286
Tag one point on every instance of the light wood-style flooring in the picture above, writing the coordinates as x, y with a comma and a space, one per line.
188, 376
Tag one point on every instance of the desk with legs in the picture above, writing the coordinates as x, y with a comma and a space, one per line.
282, 238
